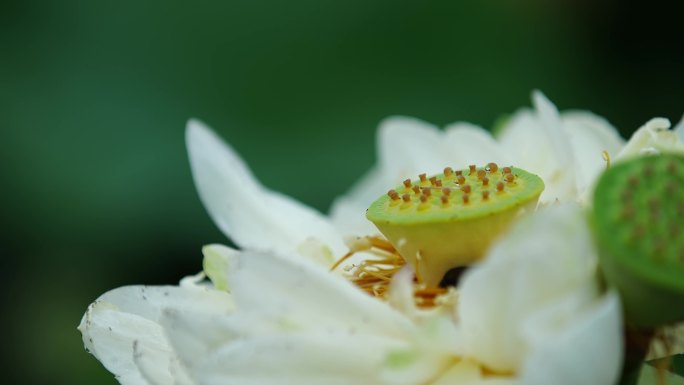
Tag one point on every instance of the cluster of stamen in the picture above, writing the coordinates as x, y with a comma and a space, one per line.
374, 274
471, 185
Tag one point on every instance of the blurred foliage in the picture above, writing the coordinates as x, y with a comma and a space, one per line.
94, 96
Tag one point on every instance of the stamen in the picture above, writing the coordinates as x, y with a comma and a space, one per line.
460, 179
466, 198
466, 189
510, 178
427, 191
499, 186
407, 183
506, 170
448, 171
485, 181
423, 178
481, 174
433, 180
473, 169
416, 190
393, 195
406, 198
439, 183
459, 172
485, 195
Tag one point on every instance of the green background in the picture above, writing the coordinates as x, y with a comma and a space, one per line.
95, 185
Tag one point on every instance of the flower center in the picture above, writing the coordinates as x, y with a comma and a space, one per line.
449, 220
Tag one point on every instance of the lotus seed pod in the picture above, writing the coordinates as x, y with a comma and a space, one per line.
637, 218
450, 219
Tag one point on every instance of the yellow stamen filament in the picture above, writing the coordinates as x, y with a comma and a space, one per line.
375, 273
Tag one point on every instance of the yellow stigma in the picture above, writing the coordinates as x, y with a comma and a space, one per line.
451, 220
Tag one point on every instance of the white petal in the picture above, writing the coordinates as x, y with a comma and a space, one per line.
348, 212
216, 262
297, 359
350, 217
536, 142
587, 351
251, 215
469, 144
679, 130
652, 138
589, 136
523, 275
128, 317
408, 147
304, 296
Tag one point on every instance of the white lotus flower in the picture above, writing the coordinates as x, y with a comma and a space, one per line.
524, 316
287, 319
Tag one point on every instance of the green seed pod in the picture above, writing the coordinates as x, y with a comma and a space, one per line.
637, 218
449, 220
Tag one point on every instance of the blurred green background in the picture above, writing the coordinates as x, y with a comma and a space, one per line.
94, 95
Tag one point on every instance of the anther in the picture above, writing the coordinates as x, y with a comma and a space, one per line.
466, 198
446, 191
393, 194
485, 181
481, 174
433, 180
460, 179
438, 183
407, 183
416, 190
448, 171
509, 178
493, 167
485, 195
506, 170
423, 177
473, 169
459, 172
427, 191
406, 198
499, 186
466, 188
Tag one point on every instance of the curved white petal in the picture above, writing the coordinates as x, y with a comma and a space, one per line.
121, 329
589, 136
306, 296
526, 277
297, 359
468, 144
348, 212
653, 137
408, 147
536, 141
679, 130
251, 215
585, 350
